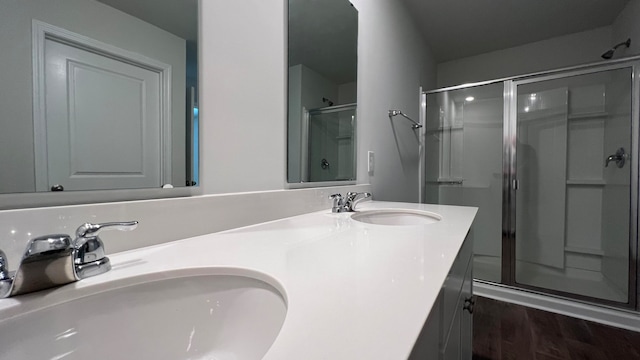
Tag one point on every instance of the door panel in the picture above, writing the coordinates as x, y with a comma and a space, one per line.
572, 210
331, 144
541, 148
93, 143
463, 158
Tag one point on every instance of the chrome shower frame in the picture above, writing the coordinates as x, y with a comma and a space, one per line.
509, 175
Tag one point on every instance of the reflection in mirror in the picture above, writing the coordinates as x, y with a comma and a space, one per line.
323, 43
93, 94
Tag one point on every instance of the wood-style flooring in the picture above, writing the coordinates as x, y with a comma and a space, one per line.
504, 331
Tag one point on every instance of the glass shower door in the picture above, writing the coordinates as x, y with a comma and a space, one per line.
572, 184
463, 164
330, 144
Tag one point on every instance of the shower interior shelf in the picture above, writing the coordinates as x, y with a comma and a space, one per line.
445, 128
584, 250
588, 116
586, 182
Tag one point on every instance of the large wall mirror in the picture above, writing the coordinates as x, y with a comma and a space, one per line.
98, 95
322, 91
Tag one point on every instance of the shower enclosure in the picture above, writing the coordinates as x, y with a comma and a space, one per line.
551, 161
328, 152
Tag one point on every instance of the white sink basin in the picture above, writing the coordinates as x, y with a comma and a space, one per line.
196, 317
396, 217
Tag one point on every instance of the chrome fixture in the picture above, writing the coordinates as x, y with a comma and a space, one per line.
54, 260
393, 113
609, 54
338, 203
5, 276
352, 199
347, 203
619, 157
90, 259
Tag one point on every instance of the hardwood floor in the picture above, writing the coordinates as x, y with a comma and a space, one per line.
504, 331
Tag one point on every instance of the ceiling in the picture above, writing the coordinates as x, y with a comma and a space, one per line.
177, 17
461, 28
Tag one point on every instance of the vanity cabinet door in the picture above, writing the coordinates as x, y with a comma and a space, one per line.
447, 334
459, 343
466, 317
451, 348
427, 346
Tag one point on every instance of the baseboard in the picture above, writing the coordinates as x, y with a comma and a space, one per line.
624, 319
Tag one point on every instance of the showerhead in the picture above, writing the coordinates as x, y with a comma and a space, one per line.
327, 100
393, 113
609, 54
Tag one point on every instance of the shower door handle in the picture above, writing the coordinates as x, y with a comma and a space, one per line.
515, 184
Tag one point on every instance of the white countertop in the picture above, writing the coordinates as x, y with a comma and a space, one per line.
353, 290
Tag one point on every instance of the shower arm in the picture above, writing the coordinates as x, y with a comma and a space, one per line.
393, 113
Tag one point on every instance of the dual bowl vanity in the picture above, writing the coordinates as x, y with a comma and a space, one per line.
384, 282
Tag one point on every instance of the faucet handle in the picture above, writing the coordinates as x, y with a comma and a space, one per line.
337, 199
88, 230
338, 203
4, 266
89, 255
6, 279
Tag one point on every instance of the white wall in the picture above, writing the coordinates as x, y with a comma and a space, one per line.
574, 49
243, 95
347, 93
393, 62
627, 26
88, 18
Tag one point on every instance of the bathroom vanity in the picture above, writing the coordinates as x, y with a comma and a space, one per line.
392, 282
448, 332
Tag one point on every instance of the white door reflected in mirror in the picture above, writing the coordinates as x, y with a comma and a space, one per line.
94, 94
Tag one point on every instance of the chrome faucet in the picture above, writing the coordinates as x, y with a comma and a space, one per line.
55, 260
347, 203
338, 203
89, 258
